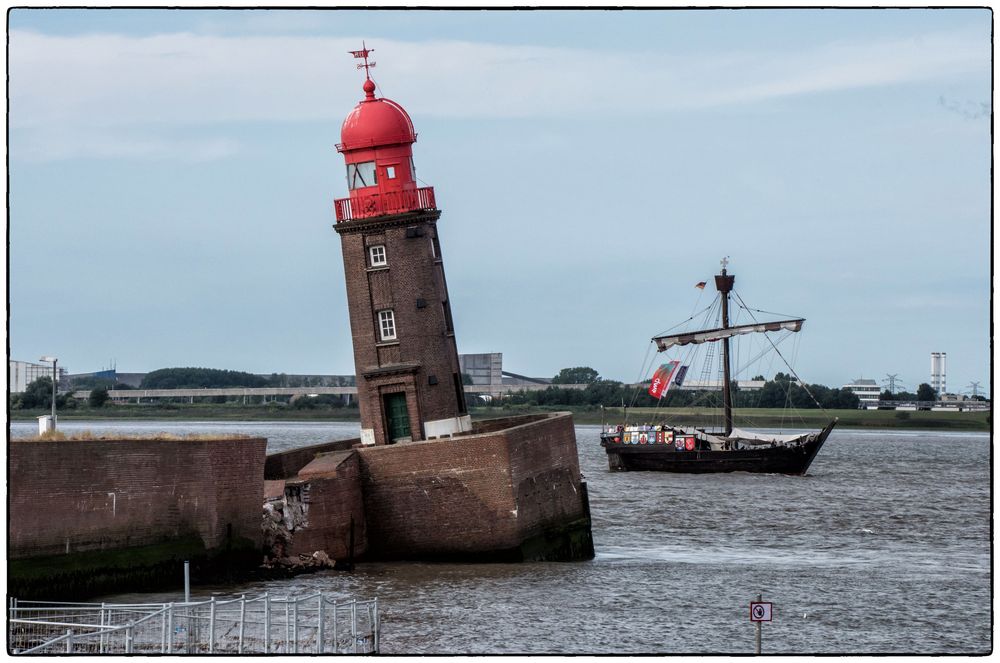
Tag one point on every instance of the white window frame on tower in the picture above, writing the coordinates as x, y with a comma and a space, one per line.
376, 256
387, 325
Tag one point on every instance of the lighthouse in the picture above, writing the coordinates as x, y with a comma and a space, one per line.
406, 361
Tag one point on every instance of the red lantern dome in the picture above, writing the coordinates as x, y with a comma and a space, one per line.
376, 122
376, 140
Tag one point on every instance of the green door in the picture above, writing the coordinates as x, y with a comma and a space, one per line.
397, 416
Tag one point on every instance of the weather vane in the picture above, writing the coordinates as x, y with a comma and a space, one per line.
363, 55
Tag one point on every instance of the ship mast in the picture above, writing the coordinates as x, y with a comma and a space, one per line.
724, 284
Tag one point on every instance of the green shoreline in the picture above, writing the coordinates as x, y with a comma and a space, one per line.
746, 417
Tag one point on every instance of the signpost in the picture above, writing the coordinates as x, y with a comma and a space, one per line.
759, 612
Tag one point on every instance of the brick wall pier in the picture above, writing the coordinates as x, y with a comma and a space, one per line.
509, 491
87, 516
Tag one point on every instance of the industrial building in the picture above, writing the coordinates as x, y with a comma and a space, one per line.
867, 391
483, 369
22, 373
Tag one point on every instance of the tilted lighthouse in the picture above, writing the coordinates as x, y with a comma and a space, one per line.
423, 482
406, 361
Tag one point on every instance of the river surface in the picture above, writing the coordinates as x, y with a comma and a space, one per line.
883, 548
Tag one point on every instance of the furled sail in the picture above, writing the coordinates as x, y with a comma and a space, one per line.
767, 438
708, 335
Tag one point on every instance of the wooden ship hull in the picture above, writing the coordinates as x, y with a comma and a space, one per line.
779, 459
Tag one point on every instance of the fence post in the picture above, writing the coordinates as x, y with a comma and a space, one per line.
369, 635
10, 622
319, 626
128, 639
295, 628
104, 637
69, 641
211, 627
288, 627
336, 642
377, 624
354, 623
163, 630
243, 615
170, 627
267, 623
190, 626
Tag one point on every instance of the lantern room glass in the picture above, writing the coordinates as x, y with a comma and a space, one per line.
360, 175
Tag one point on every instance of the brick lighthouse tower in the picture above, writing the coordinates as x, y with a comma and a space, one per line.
406, 360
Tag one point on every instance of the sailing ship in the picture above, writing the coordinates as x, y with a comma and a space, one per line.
668, 448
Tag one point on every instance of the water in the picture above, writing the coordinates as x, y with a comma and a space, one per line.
883, 548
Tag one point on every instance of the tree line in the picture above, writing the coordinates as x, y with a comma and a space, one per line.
925, 392
38, 396
215, 378
782, 391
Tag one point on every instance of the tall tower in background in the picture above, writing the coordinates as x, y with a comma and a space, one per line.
939, 367
406, 360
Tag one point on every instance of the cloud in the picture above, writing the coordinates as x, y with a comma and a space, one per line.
35, 145
111, 81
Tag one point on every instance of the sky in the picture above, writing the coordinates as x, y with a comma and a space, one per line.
172, 174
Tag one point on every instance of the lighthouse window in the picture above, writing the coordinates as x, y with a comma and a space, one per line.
360, 174
377, 254
387, 325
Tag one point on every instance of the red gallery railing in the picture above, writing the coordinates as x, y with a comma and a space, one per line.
377, 204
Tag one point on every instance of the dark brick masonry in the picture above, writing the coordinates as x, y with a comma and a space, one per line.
509, 491
78, 495
90, 517
423, 360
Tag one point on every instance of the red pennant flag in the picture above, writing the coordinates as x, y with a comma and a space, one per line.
700, 285
661, 379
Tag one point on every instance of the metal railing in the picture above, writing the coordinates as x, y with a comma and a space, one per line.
388, 202
313, 624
